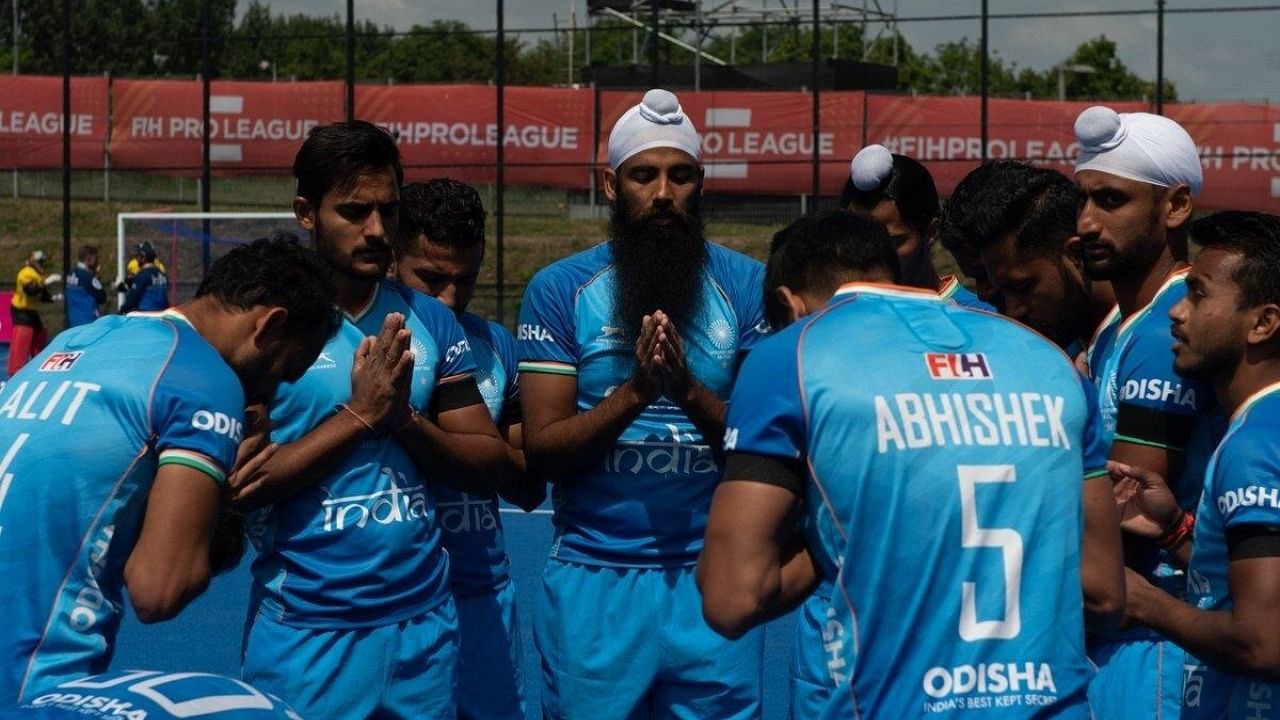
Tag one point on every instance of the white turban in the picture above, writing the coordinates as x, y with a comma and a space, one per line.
871, 167
658, 121
1138, 146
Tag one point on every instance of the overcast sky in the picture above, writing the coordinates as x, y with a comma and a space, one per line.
1226, 56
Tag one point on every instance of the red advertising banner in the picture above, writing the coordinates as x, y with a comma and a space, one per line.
1239, 144
753, 142
31, 121
255, 126
1240, 151
761, 142
452, 130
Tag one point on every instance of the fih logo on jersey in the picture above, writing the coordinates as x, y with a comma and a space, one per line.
60, 361
957, 366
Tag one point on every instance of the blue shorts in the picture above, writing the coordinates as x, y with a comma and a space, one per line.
1139, 677
406, 669
490, 656
624, 643
810, 680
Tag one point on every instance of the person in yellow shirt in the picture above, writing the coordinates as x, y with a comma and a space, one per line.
30, 290
143, 250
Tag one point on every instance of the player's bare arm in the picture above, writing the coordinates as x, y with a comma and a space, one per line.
1245, 639
754, 565
704, 409
518, 487
378, 388
558, 439
1101, 557
169, 566
460, 445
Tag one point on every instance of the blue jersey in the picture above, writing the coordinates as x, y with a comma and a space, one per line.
1144, 401
359, 547
645, 503
153, 695
945, 495
149, 292
84, 294
472, 525
960, 295
1242, 487
83, 429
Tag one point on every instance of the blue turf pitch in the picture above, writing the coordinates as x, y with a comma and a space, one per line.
206, 636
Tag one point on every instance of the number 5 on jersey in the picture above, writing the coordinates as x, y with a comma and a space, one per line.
1007, 540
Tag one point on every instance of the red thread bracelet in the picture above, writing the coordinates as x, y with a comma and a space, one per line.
1184, 528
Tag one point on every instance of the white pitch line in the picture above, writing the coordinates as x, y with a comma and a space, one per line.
518, 511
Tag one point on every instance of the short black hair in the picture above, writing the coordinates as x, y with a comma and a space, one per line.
955, 213
446, 211
278, 272
1256, 237
334, 155
820, 251
86, 252
909, 186
1038, 206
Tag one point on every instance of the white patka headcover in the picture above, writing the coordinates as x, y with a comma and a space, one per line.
658, 121
871, 167
1138, 146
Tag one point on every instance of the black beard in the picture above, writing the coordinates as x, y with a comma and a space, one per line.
659, 267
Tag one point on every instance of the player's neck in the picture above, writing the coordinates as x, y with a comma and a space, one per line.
1102, 299
1251, 375
1136, 291
353, 293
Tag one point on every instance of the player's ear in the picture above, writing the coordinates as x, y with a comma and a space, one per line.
1266, 325
1071, 252
305, 213
610, 177
1178, 207
793, 301
270, 326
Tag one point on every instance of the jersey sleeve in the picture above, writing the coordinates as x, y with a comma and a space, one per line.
455, 350
1095, 445
546, 338
1247, 480
197, 411
504, 344
765, 416
95, 289
1157, 406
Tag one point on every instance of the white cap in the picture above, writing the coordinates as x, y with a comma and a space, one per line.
871, 167
658, 121
1138, 146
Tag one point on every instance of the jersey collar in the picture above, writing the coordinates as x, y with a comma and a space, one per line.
167, 314
358, 315
948, 286
886, 290
1173, 279
1253, 399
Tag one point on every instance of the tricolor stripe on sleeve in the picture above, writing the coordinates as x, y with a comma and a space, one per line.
550, 368
194, 460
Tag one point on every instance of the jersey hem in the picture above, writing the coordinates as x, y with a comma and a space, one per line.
1148, 443
275, 610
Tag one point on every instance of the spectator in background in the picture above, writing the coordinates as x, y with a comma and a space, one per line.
149, 289
84, 290
29, 290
